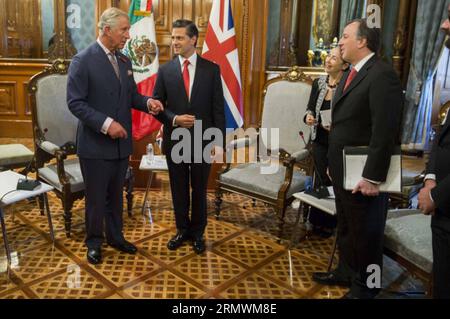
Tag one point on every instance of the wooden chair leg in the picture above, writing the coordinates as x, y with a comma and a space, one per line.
40, 199
5, 237
67, 205
218, 202
129, 185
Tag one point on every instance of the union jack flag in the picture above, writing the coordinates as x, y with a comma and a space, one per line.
220, 47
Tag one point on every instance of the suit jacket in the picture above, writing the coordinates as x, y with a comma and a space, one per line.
206, 103
368, 113
94, 93
438, 164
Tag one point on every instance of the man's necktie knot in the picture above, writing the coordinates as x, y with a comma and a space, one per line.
350, 78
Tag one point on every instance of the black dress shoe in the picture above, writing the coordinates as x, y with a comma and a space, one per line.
199, 245
94, 255
331, 279
125, 247
177, 240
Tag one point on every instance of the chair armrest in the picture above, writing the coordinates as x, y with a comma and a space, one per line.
63, 176
49, 147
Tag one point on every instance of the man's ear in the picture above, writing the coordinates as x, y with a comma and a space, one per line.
362, 43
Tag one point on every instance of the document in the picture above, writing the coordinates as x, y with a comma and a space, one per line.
354, 161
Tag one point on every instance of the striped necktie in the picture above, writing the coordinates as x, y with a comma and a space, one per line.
114, 63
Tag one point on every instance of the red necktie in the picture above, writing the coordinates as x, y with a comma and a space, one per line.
350, 78
186, 77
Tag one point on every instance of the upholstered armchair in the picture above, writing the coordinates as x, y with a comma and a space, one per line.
284, 104
54, 129
407, 240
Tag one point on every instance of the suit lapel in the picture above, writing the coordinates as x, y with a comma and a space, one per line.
356, 81
105, 64
123, 73
175, 70
197, 77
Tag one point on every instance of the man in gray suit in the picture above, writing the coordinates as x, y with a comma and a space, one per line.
101, 92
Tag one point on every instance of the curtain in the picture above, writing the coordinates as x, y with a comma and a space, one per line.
351, 9
428, 45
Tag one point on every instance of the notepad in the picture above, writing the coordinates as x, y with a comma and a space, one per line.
354, 161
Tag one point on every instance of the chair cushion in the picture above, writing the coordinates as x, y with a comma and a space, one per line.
249, 177
12, 154
408, 234
72, 168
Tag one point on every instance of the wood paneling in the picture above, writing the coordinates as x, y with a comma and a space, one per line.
15, 116
8, 105
21, 29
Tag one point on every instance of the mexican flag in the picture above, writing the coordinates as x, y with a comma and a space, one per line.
142, 50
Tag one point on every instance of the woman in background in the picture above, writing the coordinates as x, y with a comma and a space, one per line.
320, 100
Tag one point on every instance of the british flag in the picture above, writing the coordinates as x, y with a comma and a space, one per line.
220, 47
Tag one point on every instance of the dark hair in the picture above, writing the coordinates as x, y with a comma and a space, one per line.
191, 28
371, 34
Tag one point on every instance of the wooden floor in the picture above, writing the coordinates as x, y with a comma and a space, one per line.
243, 258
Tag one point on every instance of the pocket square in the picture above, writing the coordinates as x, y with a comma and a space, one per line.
130, 73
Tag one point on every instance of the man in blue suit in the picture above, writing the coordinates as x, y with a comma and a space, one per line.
101, 92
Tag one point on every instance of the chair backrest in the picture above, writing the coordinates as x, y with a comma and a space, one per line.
284, 105
52, 120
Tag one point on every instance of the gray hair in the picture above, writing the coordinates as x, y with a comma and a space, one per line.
110, 17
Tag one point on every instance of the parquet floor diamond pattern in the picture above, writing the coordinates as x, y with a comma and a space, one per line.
73, 284
164, 285
210, 269
120, 268
293, 270
243, 257
257, 287
40, 262
248, 250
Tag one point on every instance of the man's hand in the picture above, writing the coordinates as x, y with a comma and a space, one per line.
154, 106
426, 205
326, 127
366, 188
186, 120
116, 130
310, 120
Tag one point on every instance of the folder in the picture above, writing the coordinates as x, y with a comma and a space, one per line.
354, 161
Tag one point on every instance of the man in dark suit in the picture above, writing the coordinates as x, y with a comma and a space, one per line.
190, 88
366, 111
434, 199
100, 93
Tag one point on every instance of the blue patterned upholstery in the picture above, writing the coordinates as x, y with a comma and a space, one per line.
249, 178
408, 234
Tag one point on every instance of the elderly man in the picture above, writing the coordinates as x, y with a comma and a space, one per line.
434, 199
101, 92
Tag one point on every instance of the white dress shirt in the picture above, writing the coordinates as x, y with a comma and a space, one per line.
191, 69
